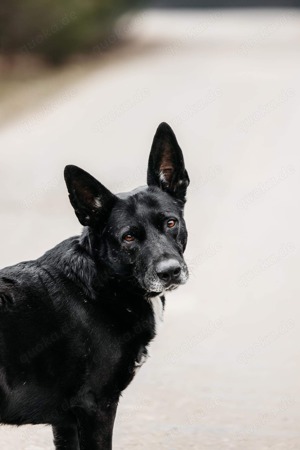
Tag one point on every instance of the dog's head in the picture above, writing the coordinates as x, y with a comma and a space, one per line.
141, 235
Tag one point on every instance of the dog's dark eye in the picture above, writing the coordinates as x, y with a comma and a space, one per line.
171, 223
128, 237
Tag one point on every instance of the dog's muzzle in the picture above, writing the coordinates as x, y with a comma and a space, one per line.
166, 275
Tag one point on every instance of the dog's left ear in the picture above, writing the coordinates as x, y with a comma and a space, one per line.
166, 167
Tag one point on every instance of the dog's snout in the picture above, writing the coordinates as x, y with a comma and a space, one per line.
168, 270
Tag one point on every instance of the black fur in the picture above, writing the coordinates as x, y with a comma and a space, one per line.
76, 323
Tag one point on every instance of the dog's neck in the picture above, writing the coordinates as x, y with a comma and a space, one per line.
81, 266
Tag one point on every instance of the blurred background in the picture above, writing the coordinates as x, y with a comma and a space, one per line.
87, 83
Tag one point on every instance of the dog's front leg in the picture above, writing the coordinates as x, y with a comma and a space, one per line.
66, 436
95, 430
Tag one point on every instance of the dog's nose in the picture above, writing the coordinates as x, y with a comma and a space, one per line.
168, 270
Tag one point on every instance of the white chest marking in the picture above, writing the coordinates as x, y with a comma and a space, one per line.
138, 364
158, 310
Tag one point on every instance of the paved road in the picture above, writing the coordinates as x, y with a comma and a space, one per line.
224, 372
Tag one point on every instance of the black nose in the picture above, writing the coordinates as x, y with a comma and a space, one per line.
168, 270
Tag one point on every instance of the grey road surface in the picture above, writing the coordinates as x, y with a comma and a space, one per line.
225, 370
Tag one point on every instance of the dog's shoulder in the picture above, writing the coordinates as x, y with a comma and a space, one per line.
7, 288
31, 282
15, 284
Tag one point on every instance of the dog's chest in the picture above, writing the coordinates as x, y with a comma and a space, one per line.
157, 311
115, 355
128, 350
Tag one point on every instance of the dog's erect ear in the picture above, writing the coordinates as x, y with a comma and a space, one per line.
91, 201
166, 164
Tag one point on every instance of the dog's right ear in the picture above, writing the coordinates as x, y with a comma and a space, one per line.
91, 201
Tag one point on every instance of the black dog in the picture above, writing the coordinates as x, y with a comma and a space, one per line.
75, 324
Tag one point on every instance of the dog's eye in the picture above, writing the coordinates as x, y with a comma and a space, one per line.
171, 223
128, 237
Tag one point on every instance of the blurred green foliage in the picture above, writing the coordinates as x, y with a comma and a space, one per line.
56, 29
